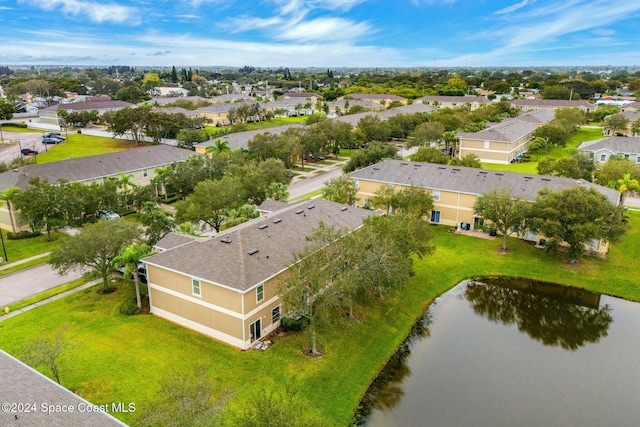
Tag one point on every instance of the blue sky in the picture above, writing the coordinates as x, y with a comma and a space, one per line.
323, 33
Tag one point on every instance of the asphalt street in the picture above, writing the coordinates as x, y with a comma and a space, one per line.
32, 281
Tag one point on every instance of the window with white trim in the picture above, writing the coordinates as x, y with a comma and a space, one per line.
436, 194
487, 145
195, 287
260, 292
603, 157
275, 314
435, 216
145, 172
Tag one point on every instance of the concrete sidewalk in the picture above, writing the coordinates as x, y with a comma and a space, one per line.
23, 261
53, 298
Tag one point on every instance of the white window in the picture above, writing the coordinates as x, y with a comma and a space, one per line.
603, 157
260, 292
435, 216
145, 172
275, 314
487, 145
436, 194
356, 183
638, 158
195, 287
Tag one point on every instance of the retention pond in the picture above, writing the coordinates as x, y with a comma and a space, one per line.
512, 352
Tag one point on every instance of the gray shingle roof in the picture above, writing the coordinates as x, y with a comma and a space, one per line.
560, 103
615, 144
631, 115
91, 105
172, 99
241, 139
506, 131
230, 265
173, 240
469, 180
93, 167
22, 384
459, 99
383, 96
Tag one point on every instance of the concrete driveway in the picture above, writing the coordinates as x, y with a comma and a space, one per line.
23, 284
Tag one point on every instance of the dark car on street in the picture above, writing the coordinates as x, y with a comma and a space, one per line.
28, 151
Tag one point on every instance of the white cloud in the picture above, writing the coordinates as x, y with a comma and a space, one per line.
324, 29
514, 7
603, 31
95, 12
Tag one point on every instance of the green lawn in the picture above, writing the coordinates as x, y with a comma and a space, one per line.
265, 124
115, 358
25, 248
80, 145
18, 129
584, 134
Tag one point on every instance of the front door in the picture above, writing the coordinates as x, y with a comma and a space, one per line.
256, 330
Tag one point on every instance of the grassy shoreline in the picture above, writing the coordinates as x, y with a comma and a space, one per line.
124, 358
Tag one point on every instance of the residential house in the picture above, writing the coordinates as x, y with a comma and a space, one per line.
40, 401
634, 106
159, 102
232, 97
290, 107
443, 101
632, 117
342, 106
306, 96
379, 98
49, 115
552, 104
216, 114
455, 189
227, 286
501, 143
240, 140
165, 91
140, 162
602, 150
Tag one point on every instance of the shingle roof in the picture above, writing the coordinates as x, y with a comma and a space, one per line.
506, 131
173, 240
22, 384
231, 266
469, 180
383, 96
565, 103
270, 205
615, 144
406, 109
93, 167
631, 115
89, 106
172, 99
459, 99
633, 105
241, 139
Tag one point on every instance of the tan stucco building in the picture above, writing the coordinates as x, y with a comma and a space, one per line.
455, 189
141, 163
226, 286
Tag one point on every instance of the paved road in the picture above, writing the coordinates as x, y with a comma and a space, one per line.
632, 202
309, 185
25, 283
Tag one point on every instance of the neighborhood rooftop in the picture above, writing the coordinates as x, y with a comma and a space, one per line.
94, 167
470, 180
507, 131
26, 386
247, 255
614, 144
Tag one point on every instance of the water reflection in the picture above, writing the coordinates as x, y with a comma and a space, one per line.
386, 391
542, 384
551, 314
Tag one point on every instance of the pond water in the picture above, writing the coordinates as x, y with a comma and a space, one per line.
509, 352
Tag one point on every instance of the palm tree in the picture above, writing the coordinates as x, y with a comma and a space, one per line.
627, 185
277, 191
218, 147
161, 178
6, 197
239, 215
125, 183
129, 258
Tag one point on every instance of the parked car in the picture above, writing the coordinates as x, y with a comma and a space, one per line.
28, 151
51, 141
142, 272
52, 135
108, 215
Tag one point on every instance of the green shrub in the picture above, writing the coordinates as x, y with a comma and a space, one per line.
129, 307
23, 235
295, 325
16, 125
